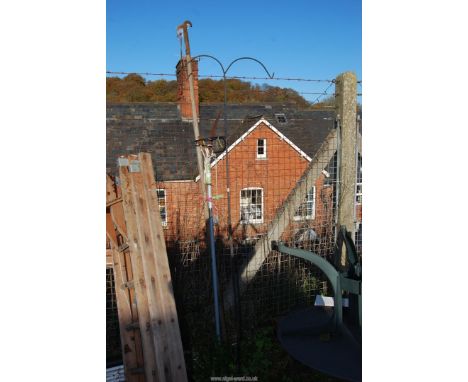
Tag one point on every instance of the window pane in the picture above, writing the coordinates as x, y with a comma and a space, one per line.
261, 148
251, 206
307, 207
161, 195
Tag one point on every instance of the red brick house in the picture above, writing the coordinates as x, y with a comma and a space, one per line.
264, 167
270, 147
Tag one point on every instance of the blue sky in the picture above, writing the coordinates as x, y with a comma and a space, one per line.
311, 39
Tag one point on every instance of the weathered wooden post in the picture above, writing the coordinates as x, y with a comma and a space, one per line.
194, 104
120, 261
346, 102
157, 315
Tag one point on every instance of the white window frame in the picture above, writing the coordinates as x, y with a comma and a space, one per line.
308, 199
163, 221
243, 204
264, 155
359, 193
358, 190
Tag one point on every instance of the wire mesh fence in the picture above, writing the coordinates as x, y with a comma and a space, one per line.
278, 182
113, 347
277, 191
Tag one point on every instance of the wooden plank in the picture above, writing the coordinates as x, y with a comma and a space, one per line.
151, 274
111, 191
121, 263
110, 230
158, 265
129, 352
140, 203
138, 275
126, 261
118, 217
109, 260
151, 246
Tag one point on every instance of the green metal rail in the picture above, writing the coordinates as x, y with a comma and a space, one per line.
349, 280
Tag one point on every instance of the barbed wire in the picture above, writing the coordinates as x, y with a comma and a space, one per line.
319, 94
143, 73
324, 93
228, 77
266, 91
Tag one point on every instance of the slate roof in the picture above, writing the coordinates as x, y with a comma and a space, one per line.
157, 128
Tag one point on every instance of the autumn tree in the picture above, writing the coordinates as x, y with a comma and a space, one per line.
134, 88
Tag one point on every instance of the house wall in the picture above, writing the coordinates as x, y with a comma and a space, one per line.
277, 175
359, 212
184, 209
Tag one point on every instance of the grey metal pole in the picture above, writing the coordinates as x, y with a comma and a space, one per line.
232, 260
214, 267
207, 172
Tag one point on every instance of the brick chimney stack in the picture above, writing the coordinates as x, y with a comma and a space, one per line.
183, 92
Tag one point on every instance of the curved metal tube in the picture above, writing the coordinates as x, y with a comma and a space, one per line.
253, 59
331, 273
214, 58
232, 62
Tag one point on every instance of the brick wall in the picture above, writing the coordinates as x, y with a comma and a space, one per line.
277, 175
183, 95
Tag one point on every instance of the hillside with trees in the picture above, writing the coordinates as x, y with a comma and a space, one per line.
134, 88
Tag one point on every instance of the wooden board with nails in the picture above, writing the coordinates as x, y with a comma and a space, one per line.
120, 262
136, 219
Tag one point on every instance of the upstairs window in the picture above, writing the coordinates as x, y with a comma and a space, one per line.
162, 205
307, 208
261, 148
251, 205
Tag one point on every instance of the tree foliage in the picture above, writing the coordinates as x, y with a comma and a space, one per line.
134, 88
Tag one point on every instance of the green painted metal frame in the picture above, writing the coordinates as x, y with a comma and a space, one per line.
349, 280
